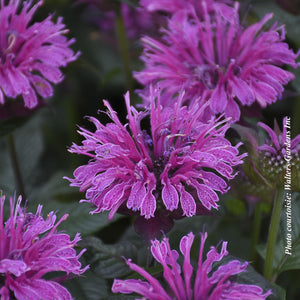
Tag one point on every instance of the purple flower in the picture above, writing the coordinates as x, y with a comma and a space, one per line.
276, 160
211, 57
280, 144
178, 160
31, 247
31, 55
209, 284
280, 155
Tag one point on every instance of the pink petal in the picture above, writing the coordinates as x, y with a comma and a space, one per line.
169, 195
242, 91
218, 99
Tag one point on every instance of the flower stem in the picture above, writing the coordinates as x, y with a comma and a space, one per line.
273, 229
256, 231
124, 49
16, 166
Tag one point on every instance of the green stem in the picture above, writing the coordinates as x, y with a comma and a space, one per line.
16, 166
256, 232
273, 229
124, 49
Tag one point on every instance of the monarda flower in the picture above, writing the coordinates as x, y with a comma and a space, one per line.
280, 155
31, 54
179, 160
185, 283
30, 248
211, 57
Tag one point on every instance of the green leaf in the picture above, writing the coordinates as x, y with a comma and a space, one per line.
57, 195
14, 114
196, 224
107, 260
279, 292
8, 126
227, 228
87, 286
29, 146
282, 260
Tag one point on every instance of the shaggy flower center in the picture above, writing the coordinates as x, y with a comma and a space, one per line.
279, 158
275, 164
274, 159
158, 165
160, 162
207, 74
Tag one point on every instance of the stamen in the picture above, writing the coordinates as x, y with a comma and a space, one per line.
208, 75
11, 40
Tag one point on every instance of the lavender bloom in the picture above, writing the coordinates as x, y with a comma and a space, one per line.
214, 58
208, 284
31, 55
31, 247
181, 159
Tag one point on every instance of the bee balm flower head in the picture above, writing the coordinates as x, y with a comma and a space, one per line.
30, 54
280, 155
215, 59
179, 164
31, 247
208, 284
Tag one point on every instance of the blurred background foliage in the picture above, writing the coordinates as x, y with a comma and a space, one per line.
42, 140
